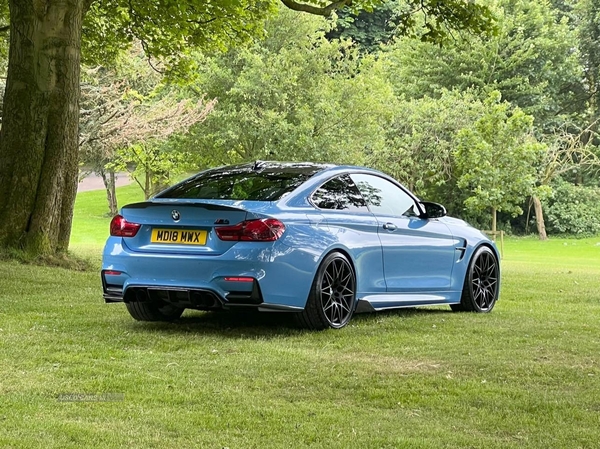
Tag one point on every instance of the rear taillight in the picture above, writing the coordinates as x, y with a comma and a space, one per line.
263, 230
119, 227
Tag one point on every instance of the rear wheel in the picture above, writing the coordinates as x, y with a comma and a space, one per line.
153, 311
331, 301
480, 290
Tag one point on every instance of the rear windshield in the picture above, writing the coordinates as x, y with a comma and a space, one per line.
242, 183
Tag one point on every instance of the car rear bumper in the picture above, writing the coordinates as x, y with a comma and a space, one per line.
269, 276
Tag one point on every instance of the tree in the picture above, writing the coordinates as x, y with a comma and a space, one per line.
498, 159
151, 165
573, 209
428, 21
587, 13
368, 29
568, 152
127, 111
533, 60
138, 140
421, 139
39, 136
295, 96
105, 105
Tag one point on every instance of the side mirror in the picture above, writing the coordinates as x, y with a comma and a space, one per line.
433, 210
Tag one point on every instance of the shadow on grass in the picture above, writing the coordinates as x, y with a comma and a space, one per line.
68, 261
264, 325
226, 324
406, 312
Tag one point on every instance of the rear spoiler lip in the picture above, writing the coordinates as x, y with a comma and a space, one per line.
209, 206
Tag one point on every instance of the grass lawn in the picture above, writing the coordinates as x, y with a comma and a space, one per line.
91, 219
76, 373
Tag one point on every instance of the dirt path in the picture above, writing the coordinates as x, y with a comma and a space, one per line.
94, 182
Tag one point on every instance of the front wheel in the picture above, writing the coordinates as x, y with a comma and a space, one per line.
480, 290
332, 297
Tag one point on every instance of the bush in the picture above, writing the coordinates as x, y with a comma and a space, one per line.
573, 210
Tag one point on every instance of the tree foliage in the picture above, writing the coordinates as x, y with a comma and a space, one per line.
152, 165
142, 151
421, 139
127, 111
368, 29
170, 29
587, 17
295, 96
573, 209
39, 135
533, 60
569, 152
427, 20
498, 159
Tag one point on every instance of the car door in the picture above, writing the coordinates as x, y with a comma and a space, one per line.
418, 253
353, 227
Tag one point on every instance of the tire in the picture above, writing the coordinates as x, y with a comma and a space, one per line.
480, 290
332, 298
152, 311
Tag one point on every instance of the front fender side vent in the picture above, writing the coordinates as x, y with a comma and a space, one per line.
461, 249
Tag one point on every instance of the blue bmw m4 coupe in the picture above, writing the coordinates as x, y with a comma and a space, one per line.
320, 241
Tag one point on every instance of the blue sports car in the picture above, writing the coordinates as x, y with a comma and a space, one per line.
320, 241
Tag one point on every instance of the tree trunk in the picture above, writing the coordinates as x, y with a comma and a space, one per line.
111, 192
494, 221
39, 136
528, 215
539, 218
147, 183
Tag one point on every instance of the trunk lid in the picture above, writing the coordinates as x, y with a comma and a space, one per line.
182, 227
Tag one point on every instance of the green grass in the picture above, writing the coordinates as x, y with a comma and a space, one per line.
92, 218
526, 375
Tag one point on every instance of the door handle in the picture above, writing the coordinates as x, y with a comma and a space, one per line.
389, 226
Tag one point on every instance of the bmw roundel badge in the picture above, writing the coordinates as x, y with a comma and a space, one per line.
175, 215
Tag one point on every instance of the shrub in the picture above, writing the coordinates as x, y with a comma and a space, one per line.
573, 210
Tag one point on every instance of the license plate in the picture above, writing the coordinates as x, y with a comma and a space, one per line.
179, 236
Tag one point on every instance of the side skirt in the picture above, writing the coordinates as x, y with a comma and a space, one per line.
387, 301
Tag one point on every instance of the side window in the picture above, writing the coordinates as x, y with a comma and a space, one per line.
384, 197
339, 194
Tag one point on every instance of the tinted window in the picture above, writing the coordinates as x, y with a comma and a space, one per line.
243, 183
339, 194
383, 196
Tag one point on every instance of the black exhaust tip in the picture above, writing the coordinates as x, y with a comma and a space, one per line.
141, 295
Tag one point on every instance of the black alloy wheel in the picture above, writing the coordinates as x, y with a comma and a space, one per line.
481, 287
332, 298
